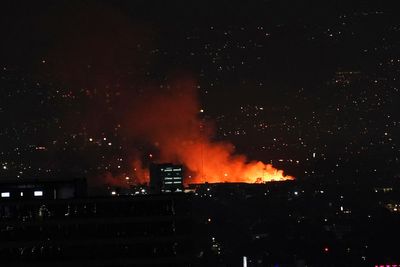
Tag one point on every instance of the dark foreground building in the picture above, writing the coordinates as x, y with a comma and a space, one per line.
44, 189
150, 230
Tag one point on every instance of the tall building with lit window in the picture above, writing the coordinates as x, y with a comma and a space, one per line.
166, 177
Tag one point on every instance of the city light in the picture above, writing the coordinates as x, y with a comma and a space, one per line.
5, 194
38, 193
231, 133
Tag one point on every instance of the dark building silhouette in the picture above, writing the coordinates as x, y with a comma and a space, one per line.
152, 230
166, 178
43, 189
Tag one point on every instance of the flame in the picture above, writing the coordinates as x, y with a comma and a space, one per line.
169, 119
172, 121
216, 162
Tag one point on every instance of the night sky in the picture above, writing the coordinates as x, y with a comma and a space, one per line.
311, 87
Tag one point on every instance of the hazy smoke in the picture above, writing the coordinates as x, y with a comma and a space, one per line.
170, 120
107, 58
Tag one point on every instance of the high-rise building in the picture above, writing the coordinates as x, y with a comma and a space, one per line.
166, 177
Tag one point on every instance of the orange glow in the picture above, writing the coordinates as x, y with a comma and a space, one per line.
215, 162
174, 121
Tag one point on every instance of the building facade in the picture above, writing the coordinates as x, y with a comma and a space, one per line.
166, 178
152, 230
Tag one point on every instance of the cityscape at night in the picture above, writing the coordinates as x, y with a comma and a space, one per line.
204, 133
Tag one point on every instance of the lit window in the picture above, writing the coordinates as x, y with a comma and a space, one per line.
5, 194
38, 193
244, 261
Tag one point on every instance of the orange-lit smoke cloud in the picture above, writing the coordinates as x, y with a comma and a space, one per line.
94, 56
171, 121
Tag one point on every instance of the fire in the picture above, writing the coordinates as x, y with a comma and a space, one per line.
172, 123
253, 172
216, 162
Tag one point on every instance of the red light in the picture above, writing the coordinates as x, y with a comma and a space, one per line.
326, 249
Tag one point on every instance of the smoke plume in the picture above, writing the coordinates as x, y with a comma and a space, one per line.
170, 120
107, 59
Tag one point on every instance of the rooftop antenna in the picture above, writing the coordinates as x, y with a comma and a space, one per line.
201, 145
